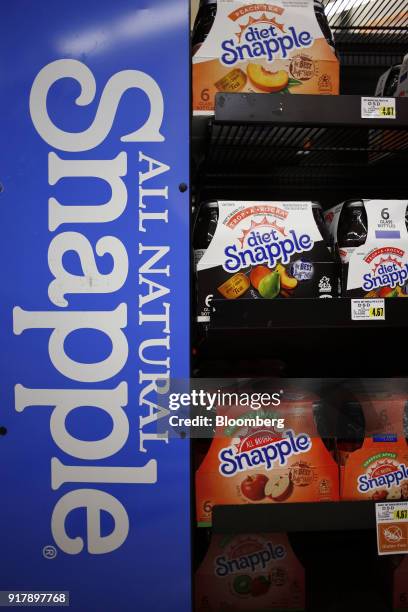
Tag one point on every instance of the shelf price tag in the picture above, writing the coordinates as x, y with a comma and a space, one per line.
392, 527
368, 310
378, 108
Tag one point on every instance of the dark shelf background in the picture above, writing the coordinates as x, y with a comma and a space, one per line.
369, 34
269, 146
301, 338
336, 544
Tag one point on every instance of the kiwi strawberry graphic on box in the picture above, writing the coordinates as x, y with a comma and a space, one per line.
258, 464
249, 572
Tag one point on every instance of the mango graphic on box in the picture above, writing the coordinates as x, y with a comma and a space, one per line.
262, 464
250, 573
270, 282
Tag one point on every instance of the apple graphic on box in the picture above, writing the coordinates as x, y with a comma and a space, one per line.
253, 487
279, 487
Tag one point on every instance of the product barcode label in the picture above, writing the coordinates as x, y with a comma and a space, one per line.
368, 310
378, 108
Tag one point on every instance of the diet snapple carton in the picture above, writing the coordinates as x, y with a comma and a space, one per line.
265, 250
263, 464
250, 572
370, 240
265, 47
378, 469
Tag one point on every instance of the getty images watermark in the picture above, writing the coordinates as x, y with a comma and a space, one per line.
228, 409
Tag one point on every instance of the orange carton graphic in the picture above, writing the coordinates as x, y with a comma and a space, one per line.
274, 47
250, 572
377, 470
259, 463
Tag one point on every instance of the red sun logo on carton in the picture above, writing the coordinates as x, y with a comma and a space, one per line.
380, 468
386, 260
246, 546
257, 439
264, 20
382, 251
263, 223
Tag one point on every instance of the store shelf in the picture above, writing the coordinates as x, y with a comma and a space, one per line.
310, 146
316, 516
304, 338
286, 314
299, 112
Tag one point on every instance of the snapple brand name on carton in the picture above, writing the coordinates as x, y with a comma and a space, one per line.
268, 42
265, 247
389, 476
278, 452
252, 562
263, 47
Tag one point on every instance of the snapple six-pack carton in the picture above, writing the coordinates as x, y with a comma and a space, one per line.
263, 47
267, 465
250, 572
378, 469
265, 250
370, 238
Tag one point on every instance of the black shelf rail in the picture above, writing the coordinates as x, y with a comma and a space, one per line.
291, 314
303, 131
272, 146
299, 517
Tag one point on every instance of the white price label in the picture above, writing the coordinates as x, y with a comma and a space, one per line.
392, 527
378, 108
368, 310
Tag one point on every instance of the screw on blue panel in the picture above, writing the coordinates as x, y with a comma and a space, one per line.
183, 187
3, 431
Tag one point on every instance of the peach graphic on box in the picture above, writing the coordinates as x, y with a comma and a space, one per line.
264, 48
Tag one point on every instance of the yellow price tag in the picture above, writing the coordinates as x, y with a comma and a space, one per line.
376, 312
387, 111
400, 514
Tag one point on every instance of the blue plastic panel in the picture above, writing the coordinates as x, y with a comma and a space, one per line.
94, 302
